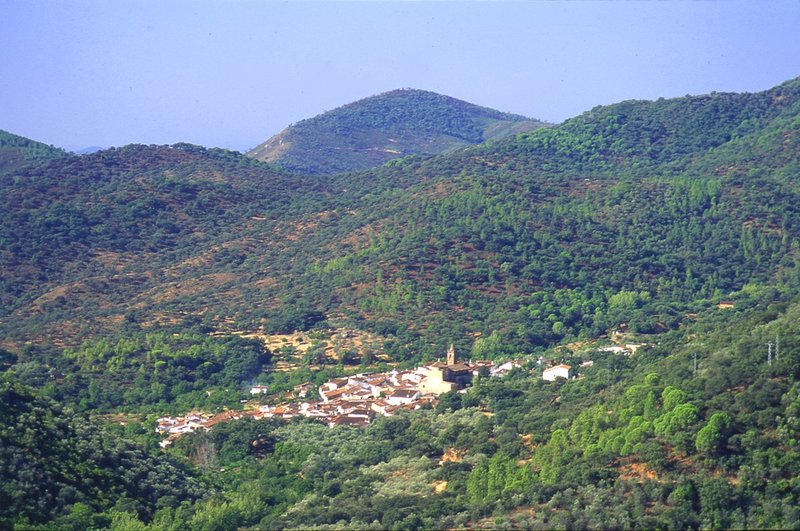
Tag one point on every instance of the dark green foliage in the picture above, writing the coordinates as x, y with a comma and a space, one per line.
644, 213
562, 232
229, 444
7, 359
293, 316
130, 220
175, 371
58, 467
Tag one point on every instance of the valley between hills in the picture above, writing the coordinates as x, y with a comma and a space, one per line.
652, 247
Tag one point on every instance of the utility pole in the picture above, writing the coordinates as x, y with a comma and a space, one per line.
769, 353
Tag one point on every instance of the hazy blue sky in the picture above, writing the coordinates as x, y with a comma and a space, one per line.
233, 73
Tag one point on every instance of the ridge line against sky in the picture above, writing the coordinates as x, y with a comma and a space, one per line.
231, 74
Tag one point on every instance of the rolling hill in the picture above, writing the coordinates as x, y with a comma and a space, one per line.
632, 210
372, 131
674, 224
17, 151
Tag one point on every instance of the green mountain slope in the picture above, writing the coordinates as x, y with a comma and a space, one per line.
697, 431
561, 232
372, 131
543, 235
59, 468
89, 240
17, 151
642, 214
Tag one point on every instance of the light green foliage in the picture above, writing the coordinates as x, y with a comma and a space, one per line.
402, 476
635, 397
212, 516
553, 457
589, 425
637, 432
672, 397
675, 426
489, 347
478, 483
626, 300
713, 435
650, 410
158, 367
679, 418
493, 477
121, 521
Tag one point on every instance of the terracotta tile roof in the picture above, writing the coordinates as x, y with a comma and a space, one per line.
344, 420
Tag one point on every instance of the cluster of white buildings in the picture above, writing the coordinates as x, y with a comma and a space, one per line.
354, 400
180, 425
174, 427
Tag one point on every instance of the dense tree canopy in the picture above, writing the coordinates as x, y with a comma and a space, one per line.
131, 274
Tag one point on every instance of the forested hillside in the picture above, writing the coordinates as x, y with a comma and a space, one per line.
60, 469
130, 275
372, 131
17, 151
561, 232
697, 431
91, 241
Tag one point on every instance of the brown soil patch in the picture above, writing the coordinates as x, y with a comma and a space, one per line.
73, 295
578, 345
265, 283
111, 259
639, 472
361, 236
526, 441
299, 340
512, 515
334, 342
295, 230
115, 319
195, 262
452, 455
174, 290
50, 296
399, 473
162, 319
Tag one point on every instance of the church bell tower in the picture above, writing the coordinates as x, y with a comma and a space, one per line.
451, 355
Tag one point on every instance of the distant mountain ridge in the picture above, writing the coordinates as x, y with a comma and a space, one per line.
374, 130
676, 199
88, 150
133, 277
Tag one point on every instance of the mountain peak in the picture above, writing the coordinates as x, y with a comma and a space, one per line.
374, 130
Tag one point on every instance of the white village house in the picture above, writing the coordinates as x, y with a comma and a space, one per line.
559, 371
